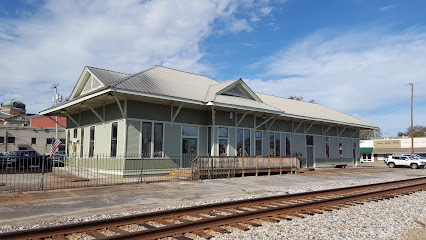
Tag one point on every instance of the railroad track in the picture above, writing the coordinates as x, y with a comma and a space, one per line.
200, 221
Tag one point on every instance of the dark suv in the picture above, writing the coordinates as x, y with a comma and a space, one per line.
23, 159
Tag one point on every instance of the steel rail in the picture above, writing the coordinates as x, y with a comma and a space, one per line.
120, 221
178, 229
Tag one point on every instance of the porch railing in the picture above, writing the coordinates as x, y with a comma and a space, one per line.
208, 167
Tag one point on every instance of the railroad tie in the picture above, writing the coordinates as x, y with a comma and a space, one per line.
117, 230
219, 230
239, 226
252, 223
147, 226
269, 219
95, 234
202, 234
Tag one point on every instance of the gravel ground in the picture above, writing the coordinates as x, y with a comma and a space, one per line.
400, 218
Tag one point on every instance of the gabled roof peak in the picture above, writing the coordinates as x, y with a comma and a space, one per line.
106, 70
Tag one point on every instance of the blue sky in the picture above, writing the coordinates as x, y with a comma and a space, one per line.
355, 56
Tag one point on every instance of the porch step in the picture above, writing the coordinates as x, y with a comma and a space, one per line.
181, 173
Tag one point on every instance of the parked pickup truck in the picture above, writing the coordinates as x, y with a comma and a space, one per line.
404, 160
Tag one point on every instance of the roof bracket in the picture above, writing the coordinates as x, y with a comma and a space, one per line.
327, 129
96, 113
173, 116
298, 126
342, 131
119, 106
310, 126
242, 118
267, 120
72, 119
56, 122
355, 133
273, 120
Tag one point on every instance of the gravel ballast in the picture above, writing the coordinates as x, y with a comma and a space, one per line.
398, 218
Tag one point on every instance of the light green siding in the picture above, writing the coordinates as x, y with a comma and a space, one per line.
133, 138
103, 139
202, 141
347, 148
191, 116
319, 144
281, 126
151, 111
223, 118
315, 129
334, 147
112, 112
247, 122
172, 139
300, 129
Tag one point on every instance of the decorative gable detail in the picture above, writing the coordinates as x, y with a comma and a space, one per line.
92, 84
85, 84
239, 89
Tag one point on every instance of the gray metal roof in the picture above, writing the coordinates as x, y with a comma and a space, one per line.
168, 82
107, 76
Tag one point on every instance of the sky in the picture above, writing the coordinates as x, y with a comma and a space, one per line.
354, 56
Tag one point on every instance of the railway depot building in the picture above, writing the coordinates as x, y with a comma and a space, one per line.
161, 113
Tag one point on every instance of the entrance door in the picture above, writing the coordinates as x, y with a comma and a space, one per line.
189, 151
309, 156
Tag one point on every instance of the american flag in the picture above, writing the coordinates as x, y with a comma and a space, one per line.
54, 146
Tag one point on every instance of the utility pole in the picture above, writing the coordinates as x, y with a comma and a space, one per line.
412, 131
55, 101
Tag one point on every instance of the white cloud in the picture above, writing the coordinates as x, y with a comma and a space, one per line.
388, 7
53, 44
355, 72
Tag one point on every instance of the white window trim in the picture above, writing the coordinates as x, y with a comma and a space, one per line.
261, 144
190, 137
219, 138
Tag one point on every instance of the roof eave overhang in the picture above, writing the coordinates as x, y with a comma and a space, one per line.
74, 102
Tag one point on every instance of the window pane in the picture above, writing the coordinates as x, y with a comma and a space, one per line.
258, 147
327, 147
309, 140
158, 139
189, 131
223, 132
92, 141
1, 139
82, 142
75, 133
146, 139
11, 140
271, 144
209, 141
114, 127
258, 134
33, 140
48, 141
223, 145
340, 147
239, 142
287, 145
246, 142
277, 144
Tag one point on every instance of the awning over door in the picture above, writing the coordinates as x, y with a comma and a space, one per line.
366, 150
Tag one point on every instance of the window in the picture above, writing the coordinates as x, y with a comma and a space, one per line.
340, 147
243, 142
114, 127
247, 142
287, 145
92, 141
274, 144
10, 139
258, 143
152, 139
68, 136
189, 131
75, 133
1, 139
48, 141
309, 140
158, 140
146, 139
223, 141
209, 140
189, 140
82, 142
327, 147
33, 140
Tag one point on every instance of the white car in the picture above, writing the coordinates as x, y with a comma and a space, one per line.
404, 160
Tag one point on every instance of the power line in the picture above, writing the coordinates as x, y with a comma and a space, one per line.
383, 110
